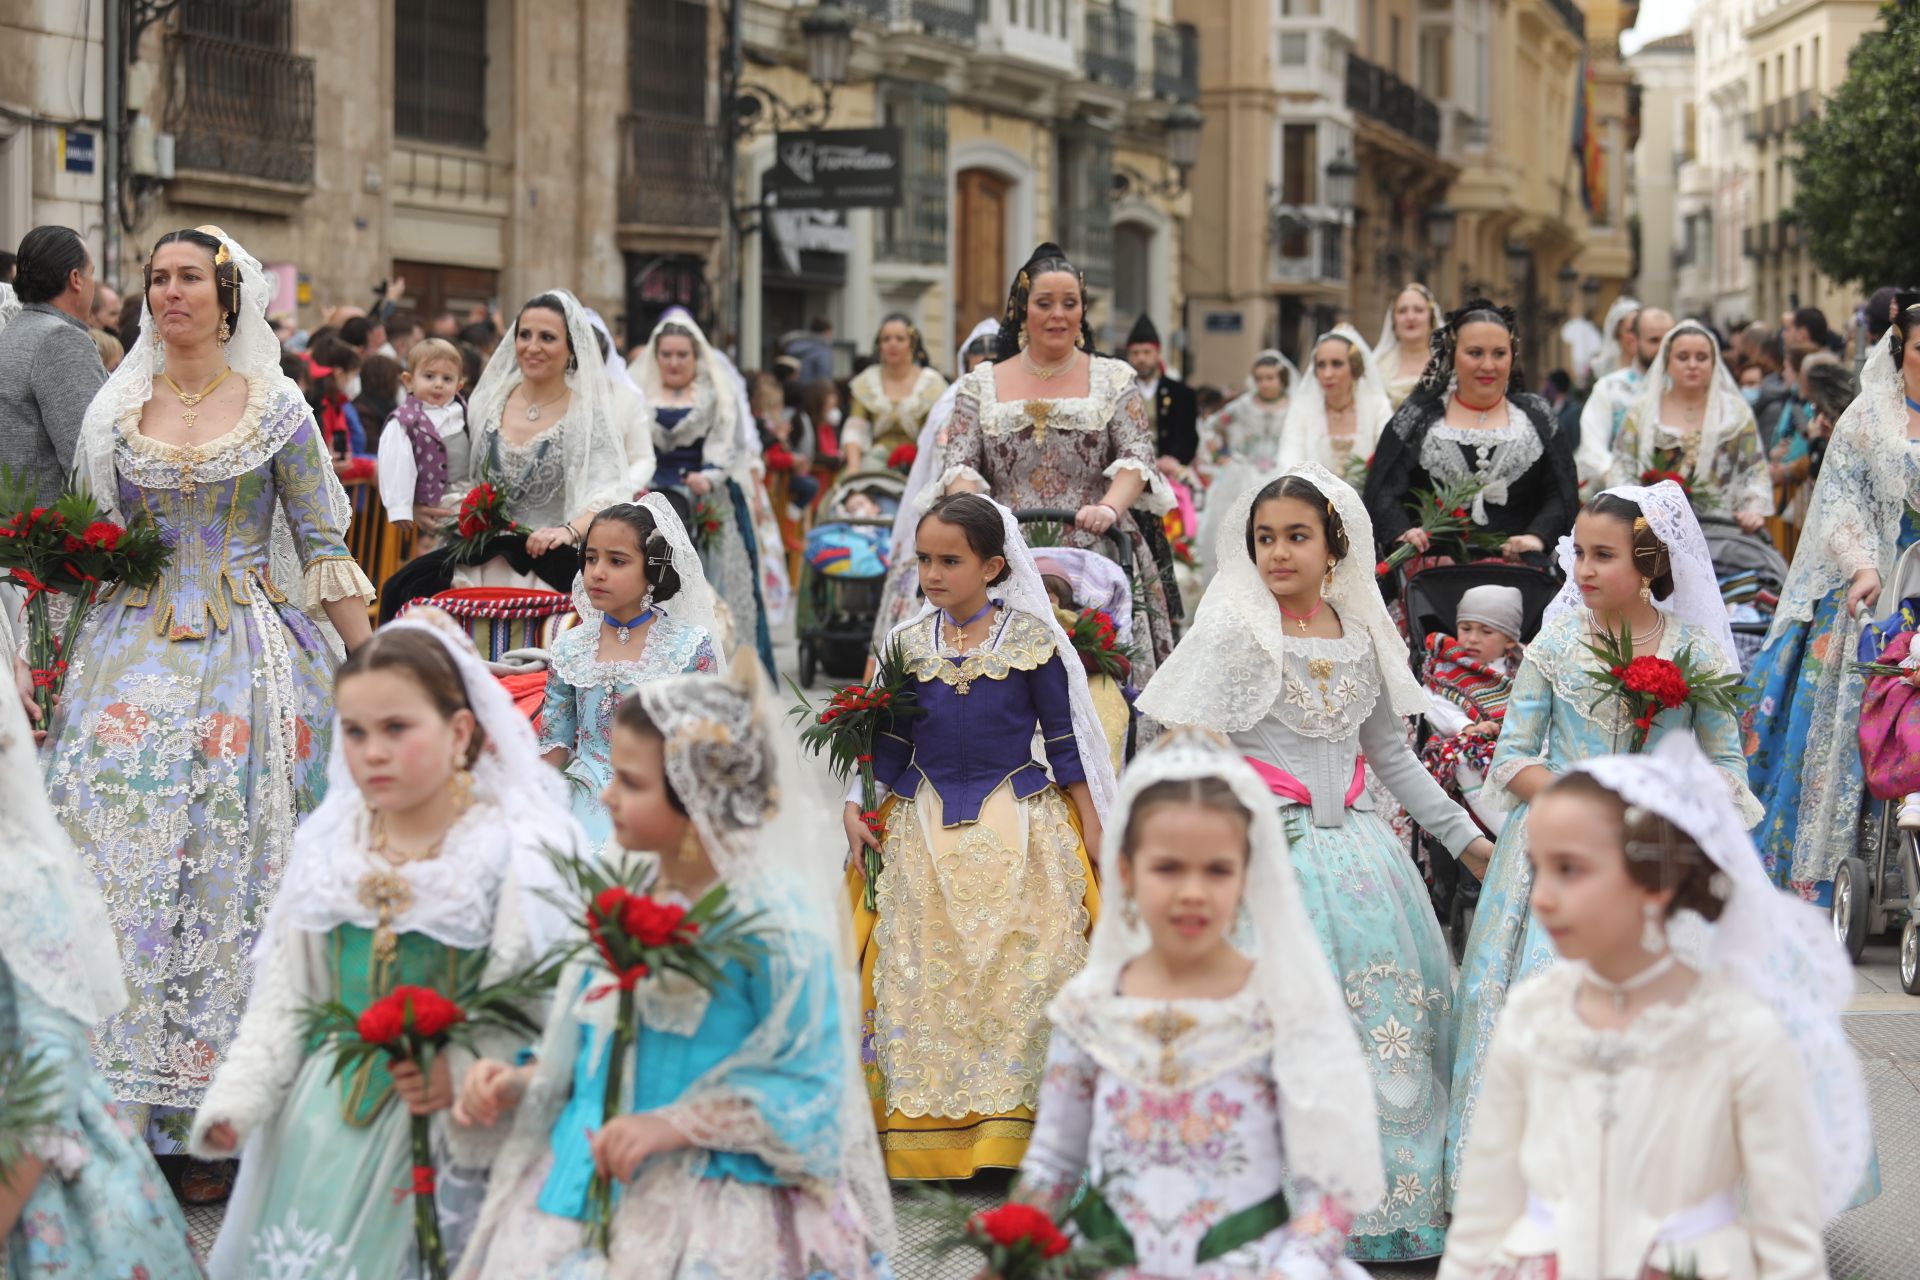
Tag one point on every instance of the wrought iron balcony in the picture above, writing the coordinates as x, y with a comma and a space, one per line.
1805, 105
956, 20
1570, 14
1756, 128
1176, 62
1109, 55
239, 109
670, 171
1379, 94
1308, 251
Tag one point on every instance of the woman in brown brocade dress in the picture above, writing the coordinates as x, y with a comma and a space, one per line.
1050, 424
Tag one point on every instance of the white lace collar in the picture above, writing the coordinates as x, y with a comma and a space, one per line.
1173, 1045
666, 650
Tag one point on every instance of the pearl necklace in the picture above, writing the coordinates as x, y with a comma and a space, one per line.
1619, 991
1046, 372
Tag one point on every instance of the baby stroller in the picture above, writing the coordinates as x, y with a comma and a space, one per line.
1751, 572
1102, 580
844, 573
1428, 601
1876, 886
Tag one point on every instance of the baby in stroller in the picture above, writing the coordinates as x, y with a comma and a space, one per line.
1469, 678
854, 541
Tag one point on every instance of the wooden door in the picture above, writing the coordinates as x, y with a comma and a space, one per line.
980, 260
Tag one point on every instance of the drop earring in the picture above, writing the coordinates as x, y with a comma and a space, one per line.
226, 331
1080, 340
1130, 912
1023, 337
1653, 934
1326, 579
690, 846
1646, 590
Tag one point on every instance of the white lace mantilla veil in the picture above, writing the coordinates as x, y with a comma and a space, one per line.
761, 811
1023, 590
1306, 420
531, 797
1328, 1120
617, 371
692, 604
1770, 943
1225, 674
927, 451
732, 410
254, 353
1387, 350
1288, 369
54, 932
1854, 521
1696, 587
1609, 358
1727, 409
594, 450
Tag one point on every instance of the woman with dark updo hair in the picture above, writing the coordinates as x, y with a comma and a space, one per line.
1471, 423
892, 396
193, 730
1051, 424
1804, 696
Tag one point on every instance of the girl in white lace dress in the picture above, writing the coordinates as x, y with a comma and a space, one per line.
1673, 1098
424, 866
1203, 1080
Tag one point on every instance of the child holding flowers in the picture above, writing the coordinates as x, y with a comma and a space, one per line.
645, 612
986, 890
711, 1007
1204, 1084
1638, 578
419, 875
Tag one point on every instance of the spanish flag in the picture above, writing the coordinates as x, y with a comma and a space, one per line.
1586, 144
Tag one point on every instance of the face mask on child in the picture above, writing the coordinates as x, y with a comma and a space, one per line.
352, 390
1750, 394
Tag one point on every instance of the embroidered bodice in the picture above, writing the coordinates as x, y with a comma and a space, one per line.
583, 692
890, 423
533, 475
1733, 476
1171, 1109
1589, 1142
1329, 711
1248, 432
1559, 714
980, 708
215, 503
1521, 467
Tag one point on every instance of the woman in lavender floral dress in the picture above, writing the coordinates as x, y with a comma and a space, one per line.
190, 737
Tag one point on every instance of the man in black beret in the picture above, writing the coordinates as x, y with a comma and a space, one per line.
1170, 402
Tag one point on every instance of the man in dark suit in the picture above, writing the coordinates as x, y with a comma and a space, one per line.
1170, 402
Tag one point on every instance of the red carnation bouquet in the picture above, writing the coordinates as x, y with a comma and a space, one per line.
69, 549
902, 456
1098, 644
1649, 685
1182, 548
482, 518
634, 936
709, 519
414, 1024
1445, 514
844, 731
1016, 1241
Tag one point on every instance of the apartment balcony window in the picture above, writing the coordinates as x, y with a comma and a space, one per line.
1805, 105
956, 20
917, 231
1755, 128
440, 72
671, 154
878, 10
241, 102
1176, 62
1377, 93
1308, 251
1086, 204
1110, 44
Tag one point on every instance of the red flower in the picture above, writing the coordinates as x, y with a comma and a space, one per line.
381, 1022
1459, 513
902, 456
103, 535
651, 922
385, 1020
1382, 569
1658, 678
1016, 1224
608, 905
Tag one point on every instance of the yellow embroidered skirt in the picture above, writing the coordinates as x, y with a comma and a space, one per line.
978, 927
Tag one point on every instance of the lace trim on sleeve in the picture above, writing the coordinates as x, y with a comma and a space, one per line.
1158, 497
1751, 810
335, 578
1494, 796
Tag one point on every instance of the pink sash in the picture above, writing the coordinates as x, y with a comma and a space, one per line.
1288, 787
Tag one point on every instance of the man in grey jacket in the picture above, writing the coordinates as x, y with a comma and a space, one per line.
49, 367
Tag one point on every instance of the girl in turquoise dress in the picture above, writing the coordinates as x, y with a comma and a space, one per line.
1636, 559
1803, 711
1294, 658
425, 866
645, 612
84, 1198
743, 1148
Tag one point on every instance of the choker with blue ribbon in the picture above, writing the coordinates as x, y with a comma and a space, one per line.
622, 629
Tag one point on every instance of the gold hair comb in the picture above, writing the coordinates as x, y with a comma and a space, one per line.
220, 255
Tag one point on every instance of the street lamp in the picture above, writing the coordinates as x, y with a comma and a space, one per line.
1518, 256
1568, 278
1341, 174
1183, 126
1440, 229
828, 33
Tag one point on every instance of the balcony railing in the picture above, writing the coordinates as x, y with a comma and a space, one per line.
1110, 57
1788, 233
1318, 255
1805, 105
1176, 62
1570, 14
242, 110
1376, 92
1756, 129
670, 171
956, 20
1749, 243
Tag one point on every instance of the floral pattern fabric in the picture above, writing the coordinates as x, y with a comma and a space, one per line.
193, 734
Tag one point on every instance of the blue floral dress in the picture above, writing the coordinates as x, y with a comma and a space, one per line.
193, 733
692, 438
101, 1209
1558, 715
584, 692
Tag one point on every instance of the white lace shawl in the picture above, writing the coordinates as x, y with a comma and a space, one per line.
594, 448
1726, 415
1326, 1100
718, 399
927, 457
1303, 434
1866, 484
1228, 673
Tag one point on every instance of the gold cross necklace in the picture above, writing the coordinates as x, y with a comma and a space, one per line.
190, 399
